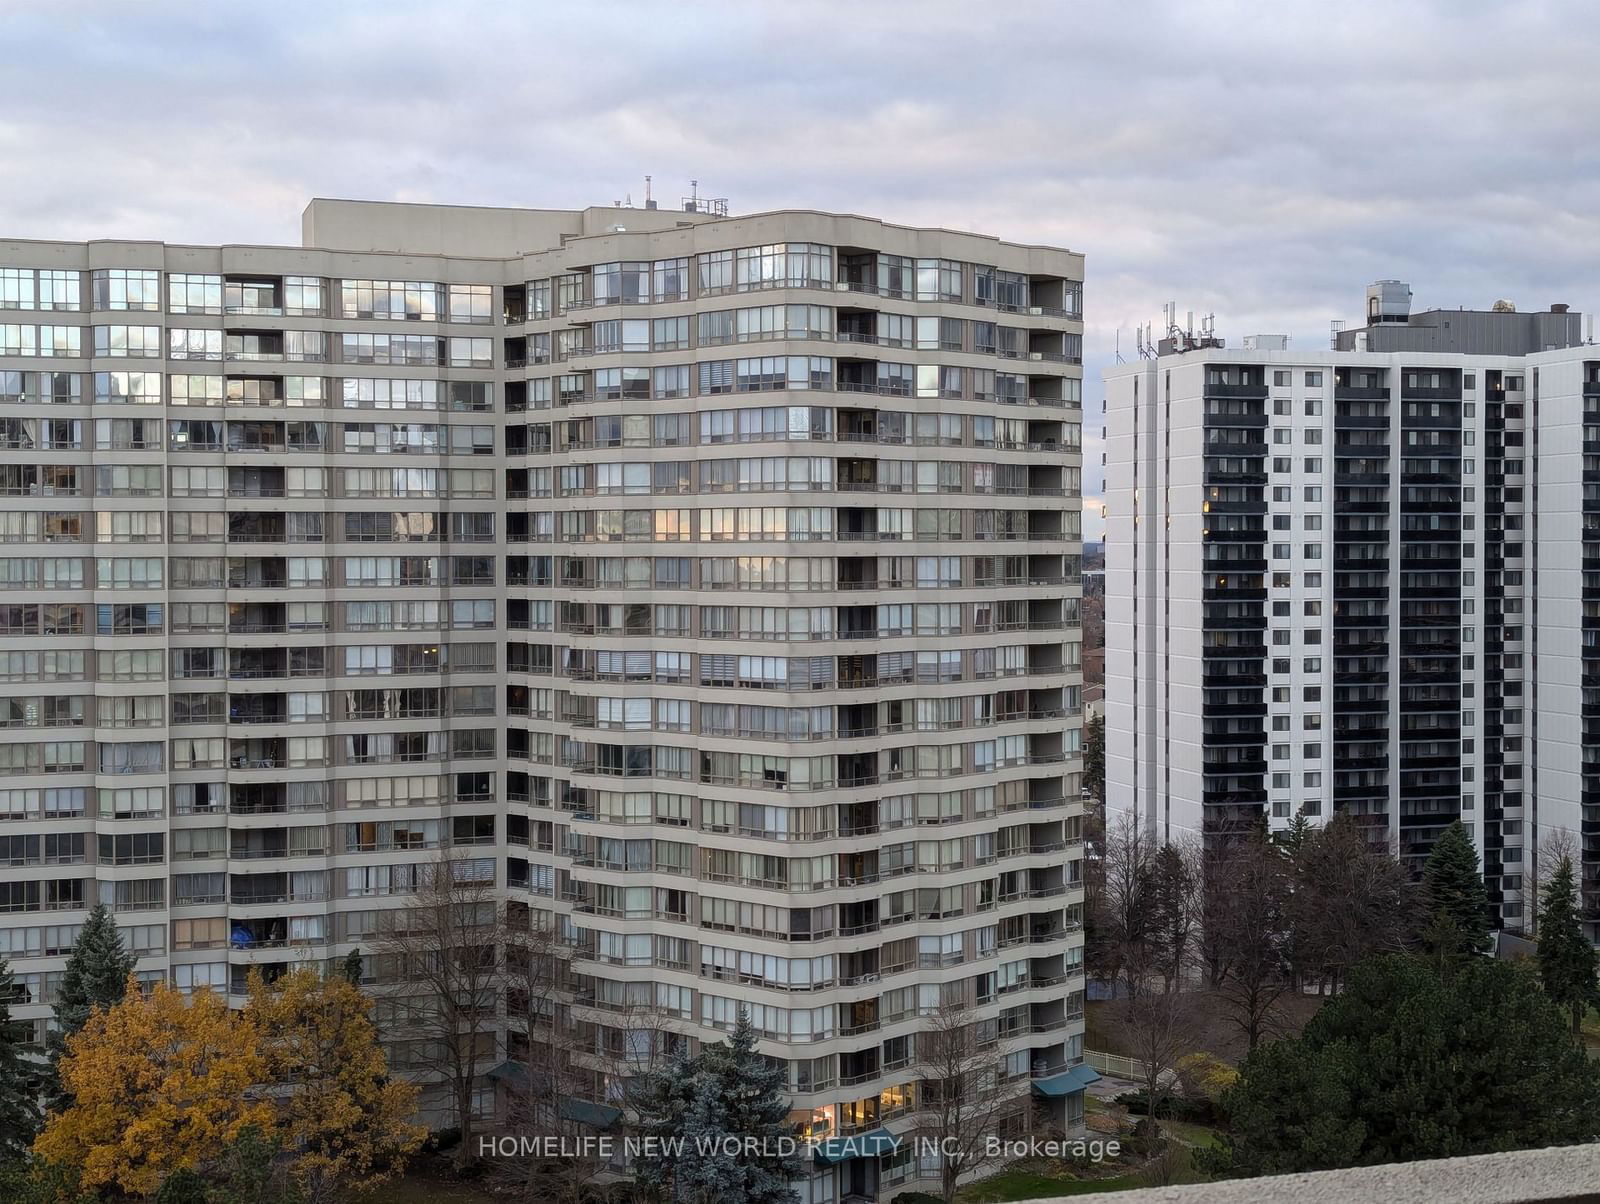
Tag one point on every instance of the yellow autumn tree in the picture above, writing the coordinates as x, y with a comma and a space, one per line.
159, 1083
349, 1125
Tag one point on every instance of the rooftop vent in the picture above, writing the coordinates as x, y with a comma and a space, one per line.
1266, 342
1388, 301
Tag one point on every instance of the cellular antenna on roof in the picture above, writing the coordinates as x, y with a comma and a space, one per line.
1177, 339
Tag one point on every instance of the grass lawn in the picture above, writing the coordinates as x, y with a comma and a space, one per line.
1190, 1134
1219, 1034
1034, 1181
1037, 1184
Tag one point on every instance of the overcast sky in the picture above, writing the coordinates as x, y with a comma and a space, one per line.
1263, 161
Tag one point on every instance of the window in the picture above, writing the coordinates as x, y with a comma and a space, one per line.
402, 300
670, 382
137, 341
715, 272
626, 283
194, 344
471, 303
132, 388
670, 280
780, 265
938, 280
669, 334
302, 296
189, 293
471, 353
127, 288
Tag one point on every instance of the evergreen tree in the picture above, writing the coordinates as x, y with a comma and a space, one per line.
1408, 1064
701, 1106
246, 1173
1174, 905
96, 976
665, 1102
750, 1089
19, 1114
1297, 835
183, 1186
1455, 894
1566, 957
1094, 758
352, 967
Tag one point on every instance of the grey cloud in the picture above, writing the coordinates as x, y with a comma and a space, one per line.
1260, 161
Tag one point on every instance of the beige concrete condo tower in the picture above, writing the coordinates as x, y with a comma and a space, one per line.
708, 585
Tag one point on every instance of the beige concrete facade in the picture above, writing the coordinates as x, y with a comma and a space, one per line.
711, 584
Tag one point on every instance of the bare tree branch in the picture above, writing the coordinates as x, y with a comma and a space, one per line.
964, 1101
441, 956
1158, 1029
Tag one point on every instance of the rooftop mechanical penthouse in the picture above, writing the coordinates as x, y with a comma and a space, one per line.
708, 584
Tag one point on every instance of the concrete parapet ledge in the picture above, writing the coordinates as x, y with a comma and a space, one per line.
1568, 1173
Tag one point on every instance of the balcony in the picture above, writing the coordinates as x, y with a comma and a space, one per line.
1255, 392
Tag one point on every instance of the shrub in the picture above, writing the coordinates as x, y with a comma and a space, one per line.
1175, 1107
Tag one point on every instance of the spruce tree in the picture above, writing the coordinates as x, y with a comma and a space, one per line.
724, 1115
1094, 759
1566, 956
1297, 835
665, 1103
1173, 904
96, 976
19, 1114
352, 967
1455, 893
750, 1089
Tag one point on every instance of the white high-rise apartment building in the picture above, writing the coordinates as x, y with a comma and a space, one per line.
1347, 580
711, 582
